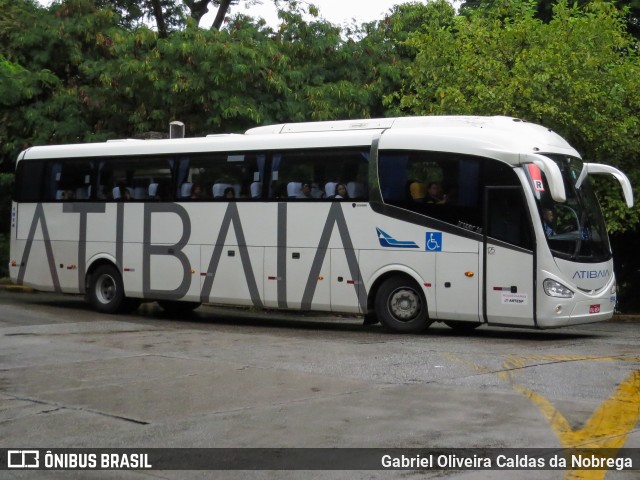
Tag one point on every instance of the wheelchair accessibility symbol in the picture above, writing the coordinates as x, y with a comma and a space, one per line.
434, 242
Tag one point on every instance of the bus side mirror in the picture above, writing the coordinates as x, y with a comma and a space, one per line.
552, 173
599, 168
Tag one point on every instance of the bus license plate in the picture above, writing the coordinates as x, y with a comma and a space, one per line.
594, 308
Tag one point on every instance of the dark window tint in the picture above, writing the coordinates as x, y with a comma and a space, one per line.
332, 174
67, 180
445, 186
137, 178
507, 217
220, 176
29, 181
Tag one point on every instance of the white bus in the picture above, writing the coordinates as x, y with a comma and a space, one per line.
407, 221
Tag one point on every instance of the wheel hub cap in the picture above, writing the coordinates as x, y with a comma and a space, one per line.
404, 304
105, 289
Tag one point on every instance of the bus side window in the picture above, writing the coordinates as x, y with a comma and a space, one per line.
29, 181
220, 176
508, 217
68, 180
319, 174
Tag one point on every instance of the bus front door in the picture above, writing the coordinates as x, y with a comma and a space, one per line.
509, 262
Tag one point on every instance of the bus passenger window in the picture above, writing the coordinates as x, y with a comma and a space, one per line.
508, 218
442, 185
133, 178
317, 175
68, 180
439, 185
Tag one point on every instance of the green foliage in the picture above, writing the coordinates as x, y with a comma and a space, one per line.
82, 70
133, 13
578, 74
544, 9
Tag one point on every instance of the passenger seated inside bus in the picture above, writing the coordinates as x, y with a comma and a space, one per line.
67, 195
316, 191
305, 190
159, 191
435, 193
341, 191
197, 193
219, 190
417, 191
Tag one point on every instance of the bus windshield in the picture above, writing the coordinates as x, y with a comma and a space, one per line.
574, 230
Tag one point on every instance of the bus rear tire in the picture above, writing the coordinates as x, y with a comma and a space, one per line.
401, 306
174, 307
106, 290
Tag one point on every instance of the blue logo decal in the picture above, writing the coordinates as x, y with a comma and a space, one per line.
434, 242
387, 240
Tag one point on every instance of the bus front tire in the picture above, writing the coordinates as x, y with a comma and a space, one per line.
106, 290
401, 306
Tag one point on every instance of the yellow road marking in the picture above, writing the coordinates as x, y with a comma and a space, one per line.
608, 427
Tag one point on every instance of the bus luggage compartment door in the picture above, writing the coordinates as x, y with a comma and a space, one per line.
457, 286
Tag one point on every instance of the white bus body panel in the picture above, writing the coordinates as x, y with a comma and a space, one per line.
458, 292
321, 256
592, 301
509, 286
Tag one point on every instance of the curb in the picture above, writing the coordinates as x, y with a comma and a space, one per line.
624, 318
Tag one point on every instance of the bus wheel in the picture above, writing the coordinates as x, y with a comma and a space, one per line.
174, 307
106, 291
401, 307
461, 327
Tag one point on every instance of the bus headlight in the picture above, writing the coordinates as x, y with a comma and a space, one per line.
614, 288
555, 289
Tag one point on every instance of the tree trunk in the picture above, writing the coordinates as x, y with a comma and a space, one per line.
222, 12
157, 12
197, 8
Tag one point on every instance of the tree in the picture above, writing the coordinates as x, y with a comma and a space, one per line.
223, 8
198, 8
168, 15
43, 51
544, 9
578, 74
